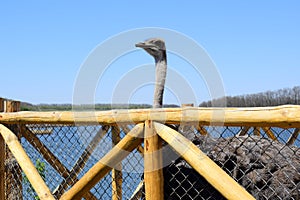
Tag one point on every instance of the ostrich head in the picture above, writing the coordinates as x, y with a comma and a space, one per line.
156, 48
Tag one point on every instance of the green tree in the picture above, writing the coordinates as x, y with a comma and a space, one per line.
41, 168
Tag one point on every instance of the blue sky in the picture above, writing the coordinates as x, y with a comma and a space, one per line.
255, 45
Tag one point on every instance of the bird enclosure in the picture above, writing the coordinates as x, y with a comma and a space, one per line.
171, 153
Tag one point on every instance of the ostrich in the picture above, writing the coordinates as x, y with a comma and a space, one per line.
156, 48
266, 168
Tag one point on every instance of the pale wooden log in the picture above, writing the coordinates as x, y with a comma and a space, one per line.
202, 164
201, 130
244, 131
140, 149
2, 159
293, 137
79, 165
138, 192
104, 165
24, 161
50, 157
282, 116
153, 173
269, 133
256, 131
116, 174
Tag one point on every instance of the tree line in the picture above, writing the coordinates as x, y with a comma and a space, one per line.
262, 99
269, 98
68, 107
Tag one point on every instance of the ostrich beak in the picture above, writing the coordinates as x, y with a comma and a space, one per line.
141, 45
145, 45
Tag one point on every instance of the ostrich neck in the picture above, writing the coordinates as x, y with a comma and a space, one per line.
160, 79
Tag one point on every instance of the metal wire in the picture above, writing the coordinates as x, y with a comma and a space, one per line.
62, 154
266, 168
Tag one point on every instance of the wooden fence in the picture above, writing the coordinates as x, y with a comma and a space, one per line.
149, 132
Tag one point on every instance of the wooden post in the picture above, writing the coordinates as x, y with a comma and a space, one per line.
187, 128
153, 167
202, 164
13, 106
140, 149
117, 170
293, 137
105, 164
269, 133
13, 182
187, 105
244, 131
1, 104
2, 159
29, 169
256, 131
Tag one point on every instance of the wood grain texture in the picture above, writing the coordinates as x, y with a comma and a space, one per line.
282, 116
153, 172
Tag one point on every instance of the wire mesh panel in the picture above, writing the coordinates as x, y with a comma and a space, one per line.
62, 154
264, 160
13, 172
266, 168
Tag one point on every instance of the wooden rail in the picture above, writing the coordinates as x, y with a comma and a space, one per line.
259, 118
282, 116
293, 137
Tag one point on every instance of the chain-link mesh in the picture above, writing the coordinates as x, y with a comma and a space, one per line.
266, 168
62, 154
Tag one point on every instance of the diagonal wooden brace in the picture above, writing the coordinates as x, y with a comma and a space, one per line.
104, 165
219, 179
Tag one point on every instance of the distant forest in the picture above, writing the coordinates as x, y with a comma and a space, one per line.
68, 107
268, 98
263, 99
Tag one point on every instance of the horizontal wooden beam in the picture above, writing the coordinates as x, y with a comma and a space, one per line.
218, 178
282, 116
